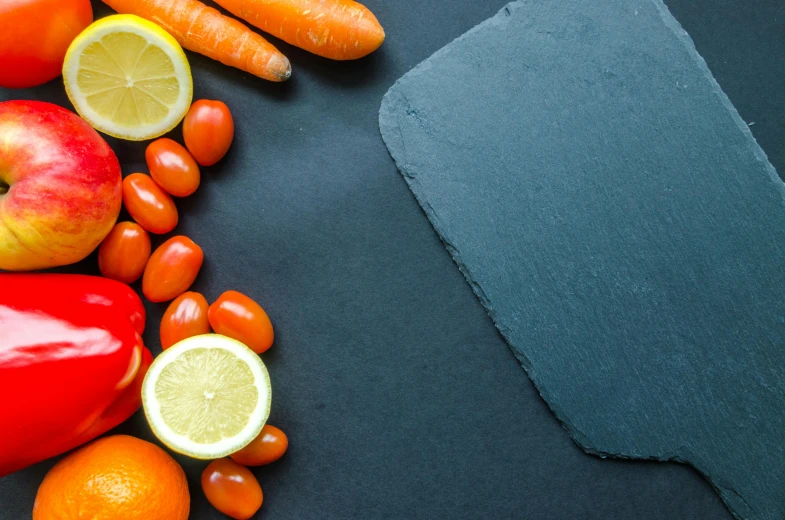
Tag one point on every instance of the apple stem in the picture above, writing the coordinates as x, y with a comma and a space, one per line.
3, 187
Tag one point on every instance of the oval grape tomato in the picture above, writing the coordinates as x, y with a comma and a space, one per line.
149, 205
124, 252
172, 167
236, 315
208, 130
267, 447
232, 489
185, 317
172, 269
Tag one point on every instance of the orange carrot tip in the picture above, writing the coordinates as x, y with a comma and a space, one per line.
335, 29
204, 30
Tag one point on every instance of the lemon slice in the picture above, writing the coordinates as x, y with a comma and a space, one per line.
128, 78
207, 396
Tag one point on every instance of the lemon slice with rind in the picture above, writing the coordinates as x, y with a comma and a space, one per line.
128, 78
207, 396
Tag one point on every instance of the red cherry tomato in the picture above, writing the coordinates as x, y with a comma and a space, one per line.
185, 317
35, 36
208, 130
235, 315
124, 252
268, 447
232, 489
172, 167
148, 204
172, 269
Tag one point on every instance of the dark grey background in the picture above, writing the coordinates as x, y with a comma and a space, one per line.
400, 398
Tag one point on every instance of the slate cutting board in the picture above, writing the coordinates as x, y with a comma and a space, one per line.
620, 225
400, 398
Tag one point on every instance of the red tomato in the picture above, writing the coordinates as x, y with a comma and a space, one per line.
172, 269
148, 204
124, 252
35, 36
268, 447
208, 130
185, 317
172, 167
232, 489
236, 315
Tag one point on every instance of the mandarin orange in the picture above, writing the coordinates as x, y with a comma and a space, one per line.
113, 478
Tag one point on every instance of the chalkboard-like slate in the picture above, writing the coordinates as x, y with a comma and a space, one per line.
621, 226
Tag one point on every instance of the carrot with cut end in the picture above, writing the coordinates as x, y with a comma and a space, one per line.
202, 29
336, 29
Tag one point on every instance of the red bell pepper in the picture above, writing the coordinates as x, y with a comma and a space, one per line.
72, 362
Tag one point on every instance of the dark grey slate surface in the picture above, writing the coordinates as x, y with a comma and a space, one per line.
621, 226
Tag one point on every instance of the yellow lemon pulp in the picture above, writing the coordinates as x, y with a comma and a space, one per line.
207, 396
128, 78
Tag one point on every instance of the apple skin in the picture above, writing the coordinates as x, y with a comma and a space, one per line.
64, 191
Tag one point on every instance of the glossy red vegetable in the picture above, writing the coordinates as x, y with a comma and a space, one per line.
236, 315
35, 36
149, 205
208, 131
172, 167
124, 252
185, 317
172, 269
232, 489
267, 447
72, 362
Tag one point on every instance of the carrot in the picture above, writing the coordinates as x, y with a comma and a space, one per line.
204, 30
336, 29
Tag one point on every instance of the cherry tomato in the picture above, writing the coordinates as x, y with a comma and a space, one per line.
172, 167
185, 317
235, 315
124, 252
232, 489
35, 36
172, 269
208, 130
268, 447
148, 204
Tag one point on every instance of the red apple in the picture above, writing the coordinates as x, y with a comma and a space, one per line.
60, 186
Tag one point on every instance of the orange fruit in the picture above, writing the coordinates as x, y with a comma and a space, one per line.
114, 478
